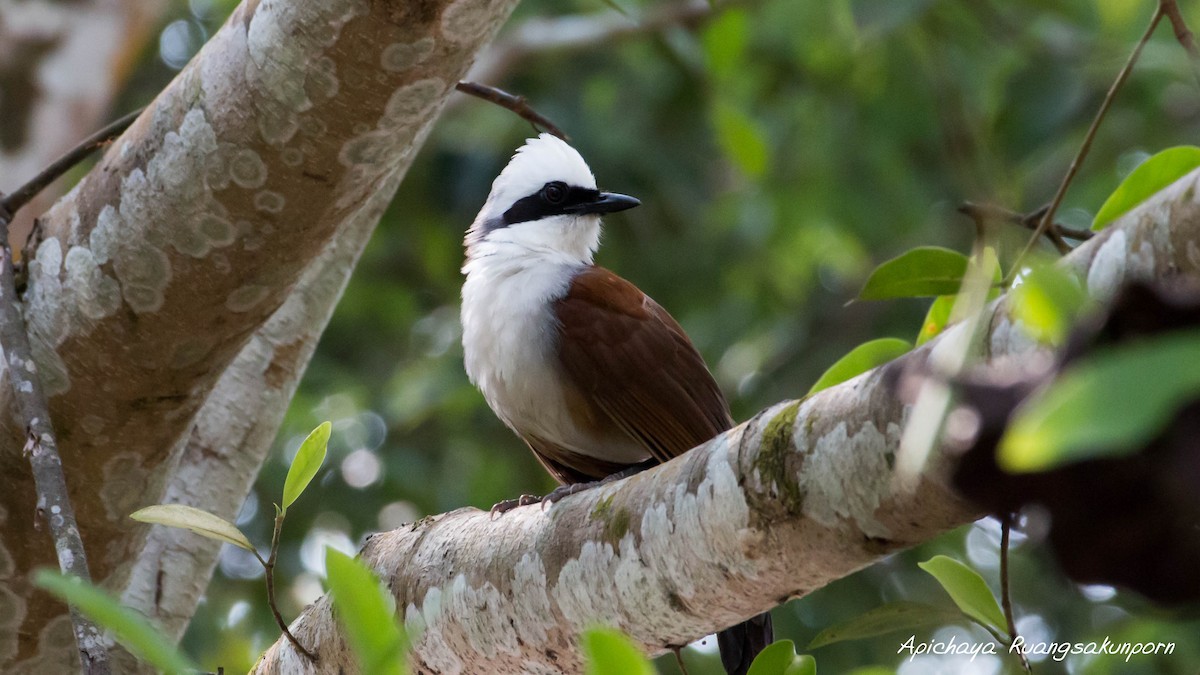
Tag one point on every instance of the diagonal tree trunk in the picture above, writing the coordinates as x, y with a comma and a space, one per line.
197, 262
799, 496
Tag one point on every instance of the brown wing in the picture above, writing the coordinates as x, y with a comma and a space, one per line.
628, 356
569, 467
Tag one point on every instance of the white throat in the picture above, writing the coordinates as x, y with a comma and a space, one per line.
509, 333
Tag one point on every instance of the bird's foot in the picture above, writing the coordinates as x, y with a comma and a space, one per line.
563, 491
500, 508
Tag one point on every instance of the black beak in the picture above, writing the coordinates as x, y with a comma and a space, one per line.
608, 202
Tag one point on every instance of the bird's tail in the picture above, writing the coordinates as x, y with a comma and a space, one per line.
741, 643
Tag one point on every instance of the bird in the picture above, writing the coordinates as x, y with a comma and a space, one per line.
590, 372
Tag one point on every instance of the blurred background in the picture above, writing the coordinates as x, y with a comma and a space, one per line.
781, 150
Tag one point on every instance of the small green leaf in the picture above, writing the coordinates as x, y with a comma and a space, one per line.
1047, 302
861, 359
610, 652
780, 658
128, 627
189, 518
364, 609
724, 39
885, 619
1106, 405
1151, 176
968, 590
741, 139
308, 460
936, 319
920, 272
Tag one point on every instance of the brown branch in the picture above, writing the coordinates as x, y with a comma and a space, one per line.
1170, 8
269, 566
1006, 524
1057, 233
13, 202
517, 104
1087, 141
41, 448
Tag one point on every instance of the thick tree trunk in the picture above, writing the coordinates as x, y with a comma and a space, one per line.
192, 270
801, 495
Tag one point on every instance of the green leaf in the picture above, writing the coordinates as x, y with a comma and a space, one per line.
1106, 405
365, 611
968, 590
861, 359
128, 627
610, 652
1047, 302
740, 138
885, 619
308, 460
936, 319
189, 518
780, 658
923, 271
724, 40
1151, 176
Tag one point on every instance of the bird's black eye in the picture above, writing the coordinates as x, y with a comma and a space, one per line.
554, 193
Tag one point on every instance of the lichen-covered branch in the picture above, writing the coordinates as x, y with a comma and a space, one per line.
798, 496
41, 448
179, 254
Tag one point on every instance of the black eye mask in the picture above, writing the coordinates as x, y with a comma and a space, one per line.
554, 199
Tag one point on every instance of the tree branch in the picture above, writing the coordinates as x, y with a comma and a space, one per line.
798, 496
41, 449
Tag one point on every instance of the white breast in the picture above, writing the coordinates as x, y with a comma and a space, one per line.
509, 337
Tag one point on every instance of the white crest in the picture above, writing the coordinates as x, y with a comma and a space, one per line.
541, 160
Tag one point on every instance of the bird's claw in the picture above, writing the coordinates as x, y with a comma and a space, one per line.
500, 508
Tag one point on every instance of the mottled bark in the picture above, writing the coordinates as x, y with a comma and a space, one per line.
800, 495
197, 263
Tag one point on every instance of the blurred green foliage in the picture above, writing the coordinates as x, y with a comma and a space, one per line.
781, 150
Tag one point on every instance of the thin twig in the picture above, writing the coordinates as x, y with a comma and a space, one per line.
981, 214
517, 104
1087, 141
1005, 594
269, 566
1171, 9
41, 448
13, 202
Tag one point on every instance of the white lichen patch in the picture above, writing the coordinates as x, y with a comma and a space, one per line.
1108, 267
190, 351
124, 487
400, 56
413, 102
531, 616
467, 20
92, 293
247, 297
50, 319
286, 44
437, 653
483, 621
247, 169
585, 591
846, 476
269, 201
322, 82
